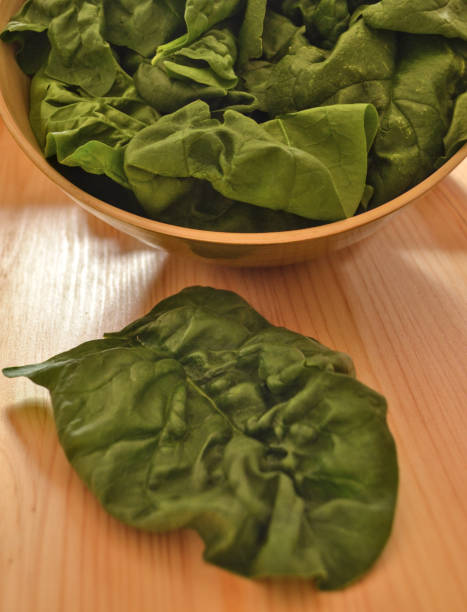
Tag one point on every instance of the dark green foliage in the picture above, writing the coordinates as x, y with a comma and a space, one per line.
203, 415
263, 60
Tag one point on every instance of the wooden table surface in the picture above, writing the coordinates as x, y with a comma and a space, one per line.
396, 302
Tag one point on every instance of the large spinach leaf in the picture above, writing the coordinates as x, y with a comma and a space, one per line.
323, 147
203, 415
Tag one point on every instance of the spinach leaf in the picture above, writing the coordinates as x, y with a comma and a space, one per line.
190, 144
330, 20
166, 94
309, 78
457, 134
32, 49
325, 20
85, 131
415, 111
355, 4
27, 30
203, 415
79, 54
200, 16
203, 70
209, 60
207, 209
418, 116
33, 16
445, 17
143, 25
299, 11
279, 34
344, 132
250, 36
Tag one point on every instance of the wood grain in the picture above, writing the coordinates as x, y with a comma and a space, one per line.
395, 302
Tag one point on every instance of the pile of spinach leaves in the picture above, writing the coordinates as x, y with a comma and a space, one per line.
246, 115
204, 415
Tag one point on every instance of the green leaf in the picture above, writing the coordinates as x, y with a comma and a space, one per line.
445, 17
200, 16
331, 133
310, 77
299, 11
208, 61
32, 49
203, 70
203, 415
278, 36
251, 31
320, 177
205, 208
27, 30
86, 131
330, 20
418, 116
325, 20
33, 16
79, 55
143, 25
166, 94
457, 133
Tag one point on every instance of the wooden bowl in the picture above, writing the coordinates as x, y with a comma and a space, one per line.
233, 249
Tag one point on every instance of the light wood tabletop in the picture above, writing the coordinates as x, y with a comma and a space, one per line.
396, 302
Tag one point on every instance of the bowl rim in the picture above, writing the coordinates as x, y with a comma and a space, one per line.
207, 236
